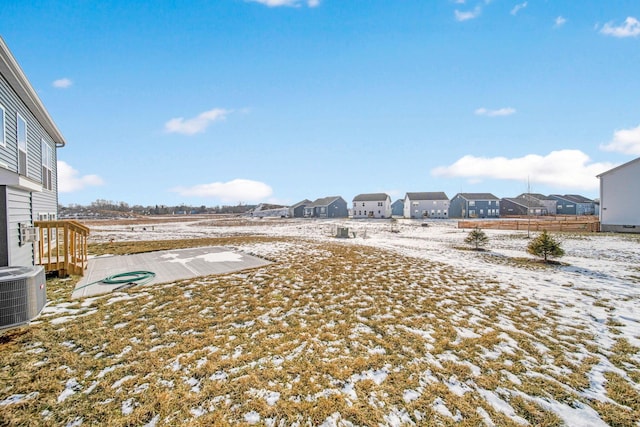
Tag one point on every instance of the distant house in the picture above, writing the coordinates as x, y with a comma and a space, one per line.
397, 208
573, 204
327, 207
264, 210
372, 205
541, 200
297, 210
521, 206
29, 140
426, 205
474, 205
620, 198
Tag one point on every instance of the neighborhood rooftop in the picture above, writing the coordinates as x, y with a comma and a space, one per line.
370, 197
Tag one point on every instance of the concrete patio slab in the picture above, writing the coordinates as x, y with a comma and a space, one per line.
168, 266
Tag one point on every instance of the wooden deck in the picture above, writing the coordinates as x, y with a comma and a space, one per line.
584, 224
62, 247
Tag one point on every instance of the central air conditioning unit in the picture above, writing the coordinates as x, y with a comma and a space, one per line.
23, 294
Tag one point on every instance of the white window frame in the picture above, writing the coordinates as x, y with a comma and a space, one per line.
18, 141
47, 164
3, 135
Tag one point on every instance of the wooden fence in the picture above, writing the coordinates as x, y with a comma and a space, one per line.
62, 247
586, 223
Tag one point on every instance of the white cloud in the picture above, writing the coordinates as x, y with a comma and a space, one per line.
495, 113
465, 16
196, 124
62, 83
568, 169
69, 179
517, 8
625, 141
560, 21
630, 28
287, 3
237, 190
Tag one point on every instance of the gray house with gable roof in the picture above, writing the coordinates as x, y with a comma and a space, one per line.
29, 140
573, 204
541, 200
474, 205
297, 210
327, 207
426, 205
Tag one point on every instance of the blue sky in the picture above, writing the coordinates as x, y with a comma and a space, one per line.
213, 102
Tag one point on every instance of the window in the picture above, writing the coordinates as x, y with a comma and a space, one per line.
3, 134
472, 202
379, 203
47, 165
21, 133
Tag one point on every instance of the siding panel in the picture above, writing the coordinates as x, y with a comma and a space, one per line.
19, 212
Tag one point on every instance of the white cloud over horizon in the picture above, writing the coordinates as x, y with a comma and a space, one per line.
63, 83
234, 191
626, 141
630, 28
287, 3
566, 169
517, 8
196, 124
500, 112
69, 179
560, 21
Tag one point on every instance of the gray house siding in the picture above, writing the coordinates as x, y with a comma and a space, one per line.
327, 207
470, 206
573, 205
24, 195
13, 106
426, 205
397, 208
16, 210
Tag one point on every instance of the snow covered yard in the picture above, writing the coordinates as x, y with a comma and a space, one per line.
387, 328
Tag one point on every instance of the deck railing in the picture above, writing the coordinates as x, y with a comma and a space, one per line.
62, 247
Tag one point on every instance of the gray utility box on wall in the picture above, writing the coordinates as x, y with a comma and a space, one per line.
23, 294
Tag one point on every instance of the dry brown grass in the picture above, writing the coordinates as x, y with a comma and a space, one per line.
330, 328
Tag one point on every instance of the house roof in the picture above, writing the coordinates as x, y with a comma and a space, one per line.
324, 201
624, 165
301, 203
397, 202
477, 196
371, 197
16, 78
437, 195
574, 198
536, 196
527, 203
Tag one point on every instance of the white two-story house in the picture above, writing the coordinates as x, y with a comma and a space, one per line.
373, 205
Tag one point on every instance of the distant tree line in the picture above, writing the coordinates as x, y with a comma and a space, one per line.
103, 207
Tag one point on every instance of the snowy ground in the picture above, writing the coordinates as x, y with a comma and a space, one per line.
397, 326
